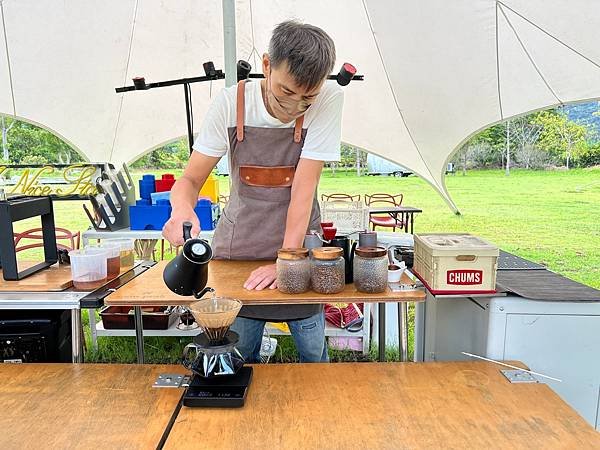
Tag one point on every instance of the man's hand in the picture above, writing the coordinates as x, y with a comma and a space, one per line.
261, 278
173, 229
184, 196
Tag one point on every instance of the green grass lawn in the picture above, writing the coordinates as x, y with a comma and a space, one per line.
550, 217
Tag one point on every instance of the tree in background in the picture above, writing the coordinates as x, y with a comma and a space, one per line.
525, 132
174, 155
6, 124
560, 136
535, 141
23, 143
569, 135
350, 156
484, 150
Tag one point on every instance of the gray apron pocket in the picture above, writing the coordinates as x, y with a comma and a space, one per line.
223, 237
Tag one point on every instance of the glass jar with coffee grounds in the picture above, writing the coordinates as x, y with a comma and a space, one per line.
370, 269
327, 270
293, 270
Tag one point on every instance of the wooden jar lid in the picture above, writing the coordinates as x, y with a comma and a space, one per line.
327, 253
371, 252
292, 254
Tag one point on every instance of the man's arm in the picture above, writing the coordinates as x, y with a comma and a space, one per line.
306, 180
304, 186
184, 196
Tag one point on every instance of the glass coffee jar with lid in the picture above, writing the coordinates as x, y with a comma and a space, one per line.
327, 270
370, 269
293, 270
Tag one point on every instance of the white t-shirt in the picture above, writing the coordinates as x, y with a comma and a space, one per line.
323, 121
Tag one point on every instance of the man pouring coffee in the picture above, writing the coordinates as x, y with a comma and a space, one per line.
278, 131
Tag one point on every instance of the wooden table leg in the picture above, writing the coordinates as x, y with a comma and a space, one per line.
403, 331
381, 343
93, 329
76, 342
139, 334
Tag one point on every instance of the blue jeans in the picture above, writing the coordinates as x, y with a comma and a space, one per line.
308, 334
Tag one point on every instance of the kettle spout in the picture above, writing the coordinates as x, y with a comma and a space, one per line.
200, 294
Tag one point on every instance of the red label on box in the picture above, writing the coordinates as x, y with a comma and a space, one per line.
464, 277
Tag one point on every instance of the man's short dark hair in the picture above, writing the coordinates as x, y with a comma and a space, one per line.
308, 51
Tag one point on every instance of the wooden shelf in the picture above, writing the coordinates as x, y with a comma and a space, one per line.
174, 331
228, 277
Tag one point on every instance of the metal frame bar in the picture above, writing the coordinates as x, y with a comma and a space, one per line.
139, 334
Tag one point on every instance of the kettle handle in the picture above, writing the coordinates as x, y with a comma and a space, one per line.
187, 231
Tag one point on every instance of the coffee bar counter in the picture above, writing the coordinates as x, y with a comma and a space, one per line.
325, 406
227, 279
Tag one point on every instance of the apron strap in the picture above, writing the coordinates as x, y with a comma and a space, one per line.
298, 129
241, 107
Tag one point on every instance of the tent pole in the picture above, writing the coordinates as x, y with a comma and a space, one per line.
507, 172
188, 113
229, 42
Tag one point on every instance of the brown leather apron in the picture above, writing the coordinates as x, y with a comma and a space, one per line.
262, 163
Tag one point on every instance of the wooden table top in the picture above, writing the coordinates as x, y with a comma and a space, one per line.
386, 406
53, 279
354, 405
83, 405
228, 277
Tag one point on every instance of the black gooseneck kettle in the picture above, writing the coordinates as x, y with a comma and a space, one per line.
187, 274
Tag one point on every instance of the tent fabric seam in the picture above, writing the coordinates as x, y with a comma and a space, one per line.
8, 65
564, 44
387, 76
135, 10
537, 69
254, 51
498, 68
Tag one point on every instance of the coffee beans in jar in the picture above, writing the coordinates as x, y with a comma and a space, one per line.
293, 270
370, 269
327, 270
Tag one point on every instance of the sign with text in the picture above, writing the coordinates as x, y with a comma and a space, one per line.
464, 277
60, 181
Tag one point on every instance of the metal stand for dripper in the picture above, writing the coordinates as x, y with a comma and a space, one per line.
218, 391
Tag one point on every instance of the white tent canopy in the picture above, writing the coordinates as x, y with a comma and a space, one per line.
435, 72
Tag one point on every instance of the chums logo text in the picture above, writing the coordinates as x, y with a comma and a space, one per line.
464, 277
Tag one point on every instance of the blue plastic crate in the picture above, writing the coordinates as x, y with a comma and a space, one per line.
145, 216
147, 186
208, 214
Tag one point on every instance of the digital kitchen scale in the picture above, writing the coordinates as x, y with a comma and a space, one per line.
219, 392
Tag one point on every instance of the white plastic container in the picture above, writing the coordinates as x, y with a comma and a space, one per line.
455, 263
88, 268
127, 251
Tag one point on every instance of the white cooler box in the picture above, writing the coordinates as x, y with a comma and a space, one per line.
455, 263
